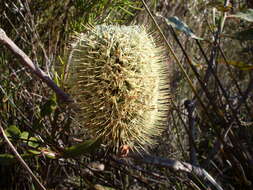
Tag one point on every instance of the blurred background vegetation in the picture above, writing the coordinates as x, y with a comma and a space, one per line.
210, 123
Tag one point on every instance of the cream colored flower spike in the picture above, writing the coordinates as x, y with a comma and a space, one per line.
120, 82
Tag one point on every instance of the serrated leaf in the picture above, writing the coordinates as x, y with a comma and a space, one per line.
175, 22
246, 15
13, 131
244, 35
33, 142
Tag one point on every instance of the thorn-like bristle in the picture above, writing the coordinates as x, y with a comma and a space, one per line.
119, 79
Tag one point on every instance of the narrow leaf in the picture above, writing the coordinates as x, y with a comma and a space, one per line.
48, 153
34, 152
86, 147
33, 142
241, 65
175, 22
246, 15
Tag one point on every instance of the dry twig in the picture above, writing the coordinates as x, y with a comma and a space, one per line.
27, 62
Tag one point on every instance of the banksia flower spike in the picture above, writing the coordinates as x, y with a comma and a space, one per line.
119, 80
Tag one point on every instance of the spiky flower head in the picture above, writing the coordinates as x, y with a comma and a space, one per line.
119, 80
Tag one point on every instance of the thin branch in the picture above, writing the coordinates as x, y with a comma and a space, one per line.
178, 166
20, 159
27, 62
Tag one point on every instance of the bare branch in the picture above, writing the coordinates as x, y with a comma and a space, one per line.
27, 62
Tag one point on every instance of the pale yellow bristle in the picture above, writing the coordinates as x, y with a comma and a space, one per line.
117, 75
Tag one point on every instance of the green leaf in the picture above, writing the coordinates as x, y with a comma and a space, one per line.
33, 142
180, 25
35, 152
246, 15
24, 135
13, 131
49, 153
87, 146
43, 151
244, 35
56, 78
64, 68
241, 65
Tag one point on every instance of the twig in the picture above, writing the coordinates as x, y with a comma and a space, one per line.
17, 155
26, 61
214, 53
178, 166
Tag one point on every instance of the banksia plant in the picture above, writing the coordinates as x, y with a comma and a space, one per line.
119, 80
